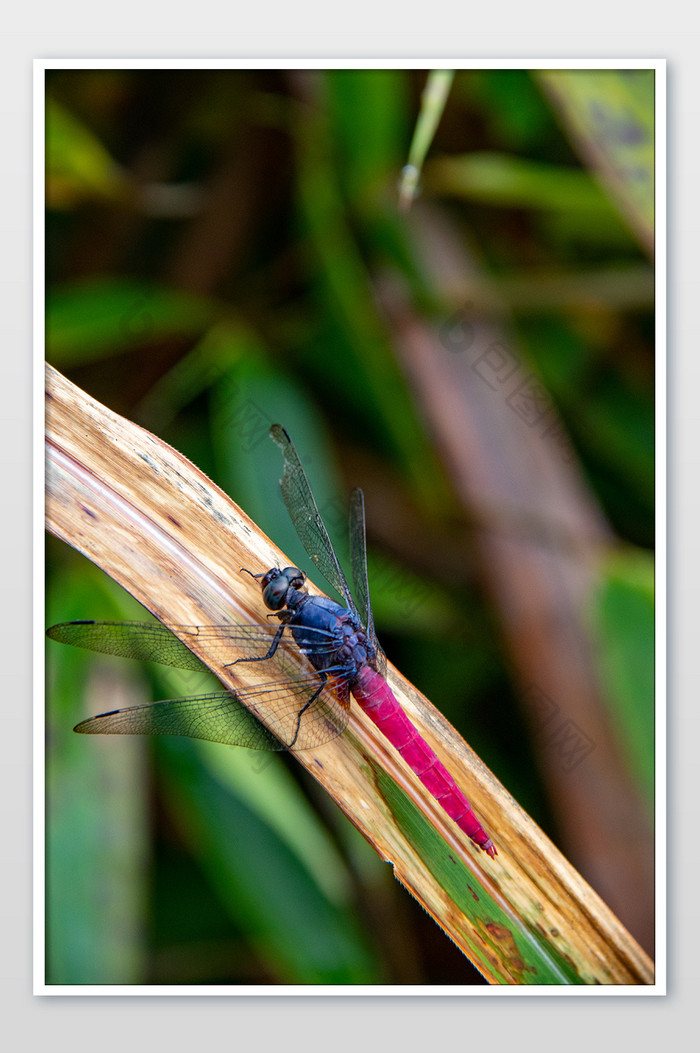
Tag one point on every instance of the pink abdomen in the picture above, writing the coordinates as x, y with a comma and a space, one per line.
376, 698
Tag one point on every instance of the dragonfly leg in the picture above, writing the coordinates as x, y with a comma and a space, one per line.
262, 657
300, 714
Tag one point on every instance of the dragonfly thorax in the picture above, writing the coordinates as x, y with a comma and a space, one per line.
328, 634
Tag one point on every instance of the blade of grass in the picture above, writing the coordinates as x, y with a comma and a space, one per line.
433, 102
152, 521
609, 117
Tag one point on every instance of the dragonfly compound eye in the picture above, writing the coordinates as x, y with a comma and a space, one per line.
295, 577
277, 583
275, 586
275, 592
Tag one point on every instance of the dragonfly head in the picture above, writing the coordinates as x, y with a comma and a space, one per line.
276, 583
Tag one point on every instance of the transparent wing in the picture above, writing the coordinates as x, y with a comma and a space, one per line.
155, 642
217, 718
230, 718
303, 512
358, 561
300, 711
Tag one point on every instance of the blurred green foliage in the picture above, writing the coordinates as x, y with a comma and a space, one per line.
213, 238
623, 616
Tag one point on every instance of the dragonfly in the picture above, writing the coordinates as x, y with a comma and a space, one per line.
335, 654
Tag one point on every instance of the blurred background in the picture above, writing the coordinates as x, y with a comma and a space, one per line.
230, 248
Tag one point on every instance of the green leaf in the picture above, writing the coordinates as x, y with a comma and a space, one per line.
609, 116
433, 102
515, 182
90, 320
623, 623
97, 861
263, 783
300, 933
77, 164
368, 111
501, 939
352, 352
509, 104
222, 347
